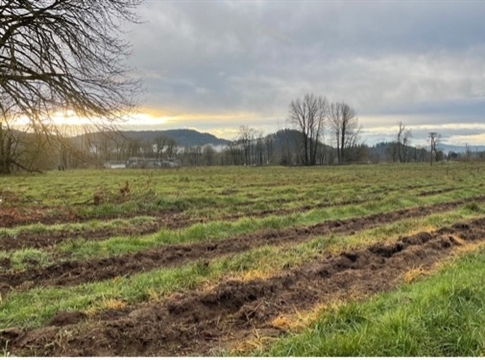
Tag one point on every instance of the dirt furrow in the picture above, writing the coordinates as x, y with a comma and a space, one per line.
70, 273
171, 221
198, 322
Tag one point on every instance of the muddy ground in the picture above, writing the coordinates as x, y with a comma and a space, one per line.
69, 273
202, 322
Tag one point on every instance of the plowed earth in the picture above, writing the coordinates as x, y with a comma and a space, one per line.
70, 273
166, 219
200, 322
15, 215
170, 220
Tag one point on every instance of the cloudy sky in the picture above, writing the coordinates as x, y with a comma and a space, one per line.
216, 65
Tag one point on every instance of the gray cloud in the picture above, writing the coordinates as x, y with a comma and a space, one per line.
387, 59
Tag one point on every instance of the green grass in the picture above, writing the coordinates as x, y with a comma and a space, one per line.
217, 191
440, 316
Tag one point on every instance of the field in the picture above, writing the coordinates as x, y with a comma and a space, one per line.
375, 260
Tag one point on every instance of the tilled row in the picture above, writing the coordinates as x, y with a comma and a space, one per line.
164, 219
199, 322
168, 221
69, 273
13, 216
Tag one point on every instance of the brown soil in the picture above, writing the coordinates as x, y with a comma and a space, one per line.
200, 322
69, 273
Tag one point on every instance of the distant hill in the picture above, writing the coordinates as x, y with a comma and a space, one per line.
183, 137
282, 139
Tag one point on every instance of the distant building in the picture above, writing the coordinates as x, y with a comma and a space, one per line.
150, 163
113, 164
141, 163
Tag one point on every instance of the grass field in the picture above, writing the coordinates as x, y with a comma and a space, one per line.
374, 260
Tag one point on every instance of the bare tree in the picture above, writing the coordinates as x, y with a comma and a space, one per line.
234, 153
7, 142
22, 150
209, 155
171, 149
245, 138
259, 147
434, 139
309, 116
121, 147
65, 55
269, 147
163, 142
345, 125
402, 139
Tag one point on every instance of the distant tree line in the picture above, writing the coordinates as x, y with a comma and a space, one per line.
318, 133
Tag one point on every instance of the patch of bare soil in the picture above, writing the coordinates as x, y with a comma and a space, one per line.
69, 273
199, 322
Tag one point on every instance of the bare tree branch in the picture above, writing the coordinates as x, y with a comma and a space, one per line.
345, 125
309, 117
58, 55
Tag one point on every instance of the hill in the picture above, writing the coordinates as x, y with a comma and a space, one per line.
183, 137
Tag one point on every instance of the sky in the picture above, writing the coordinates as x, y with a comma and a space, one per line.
216, 65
